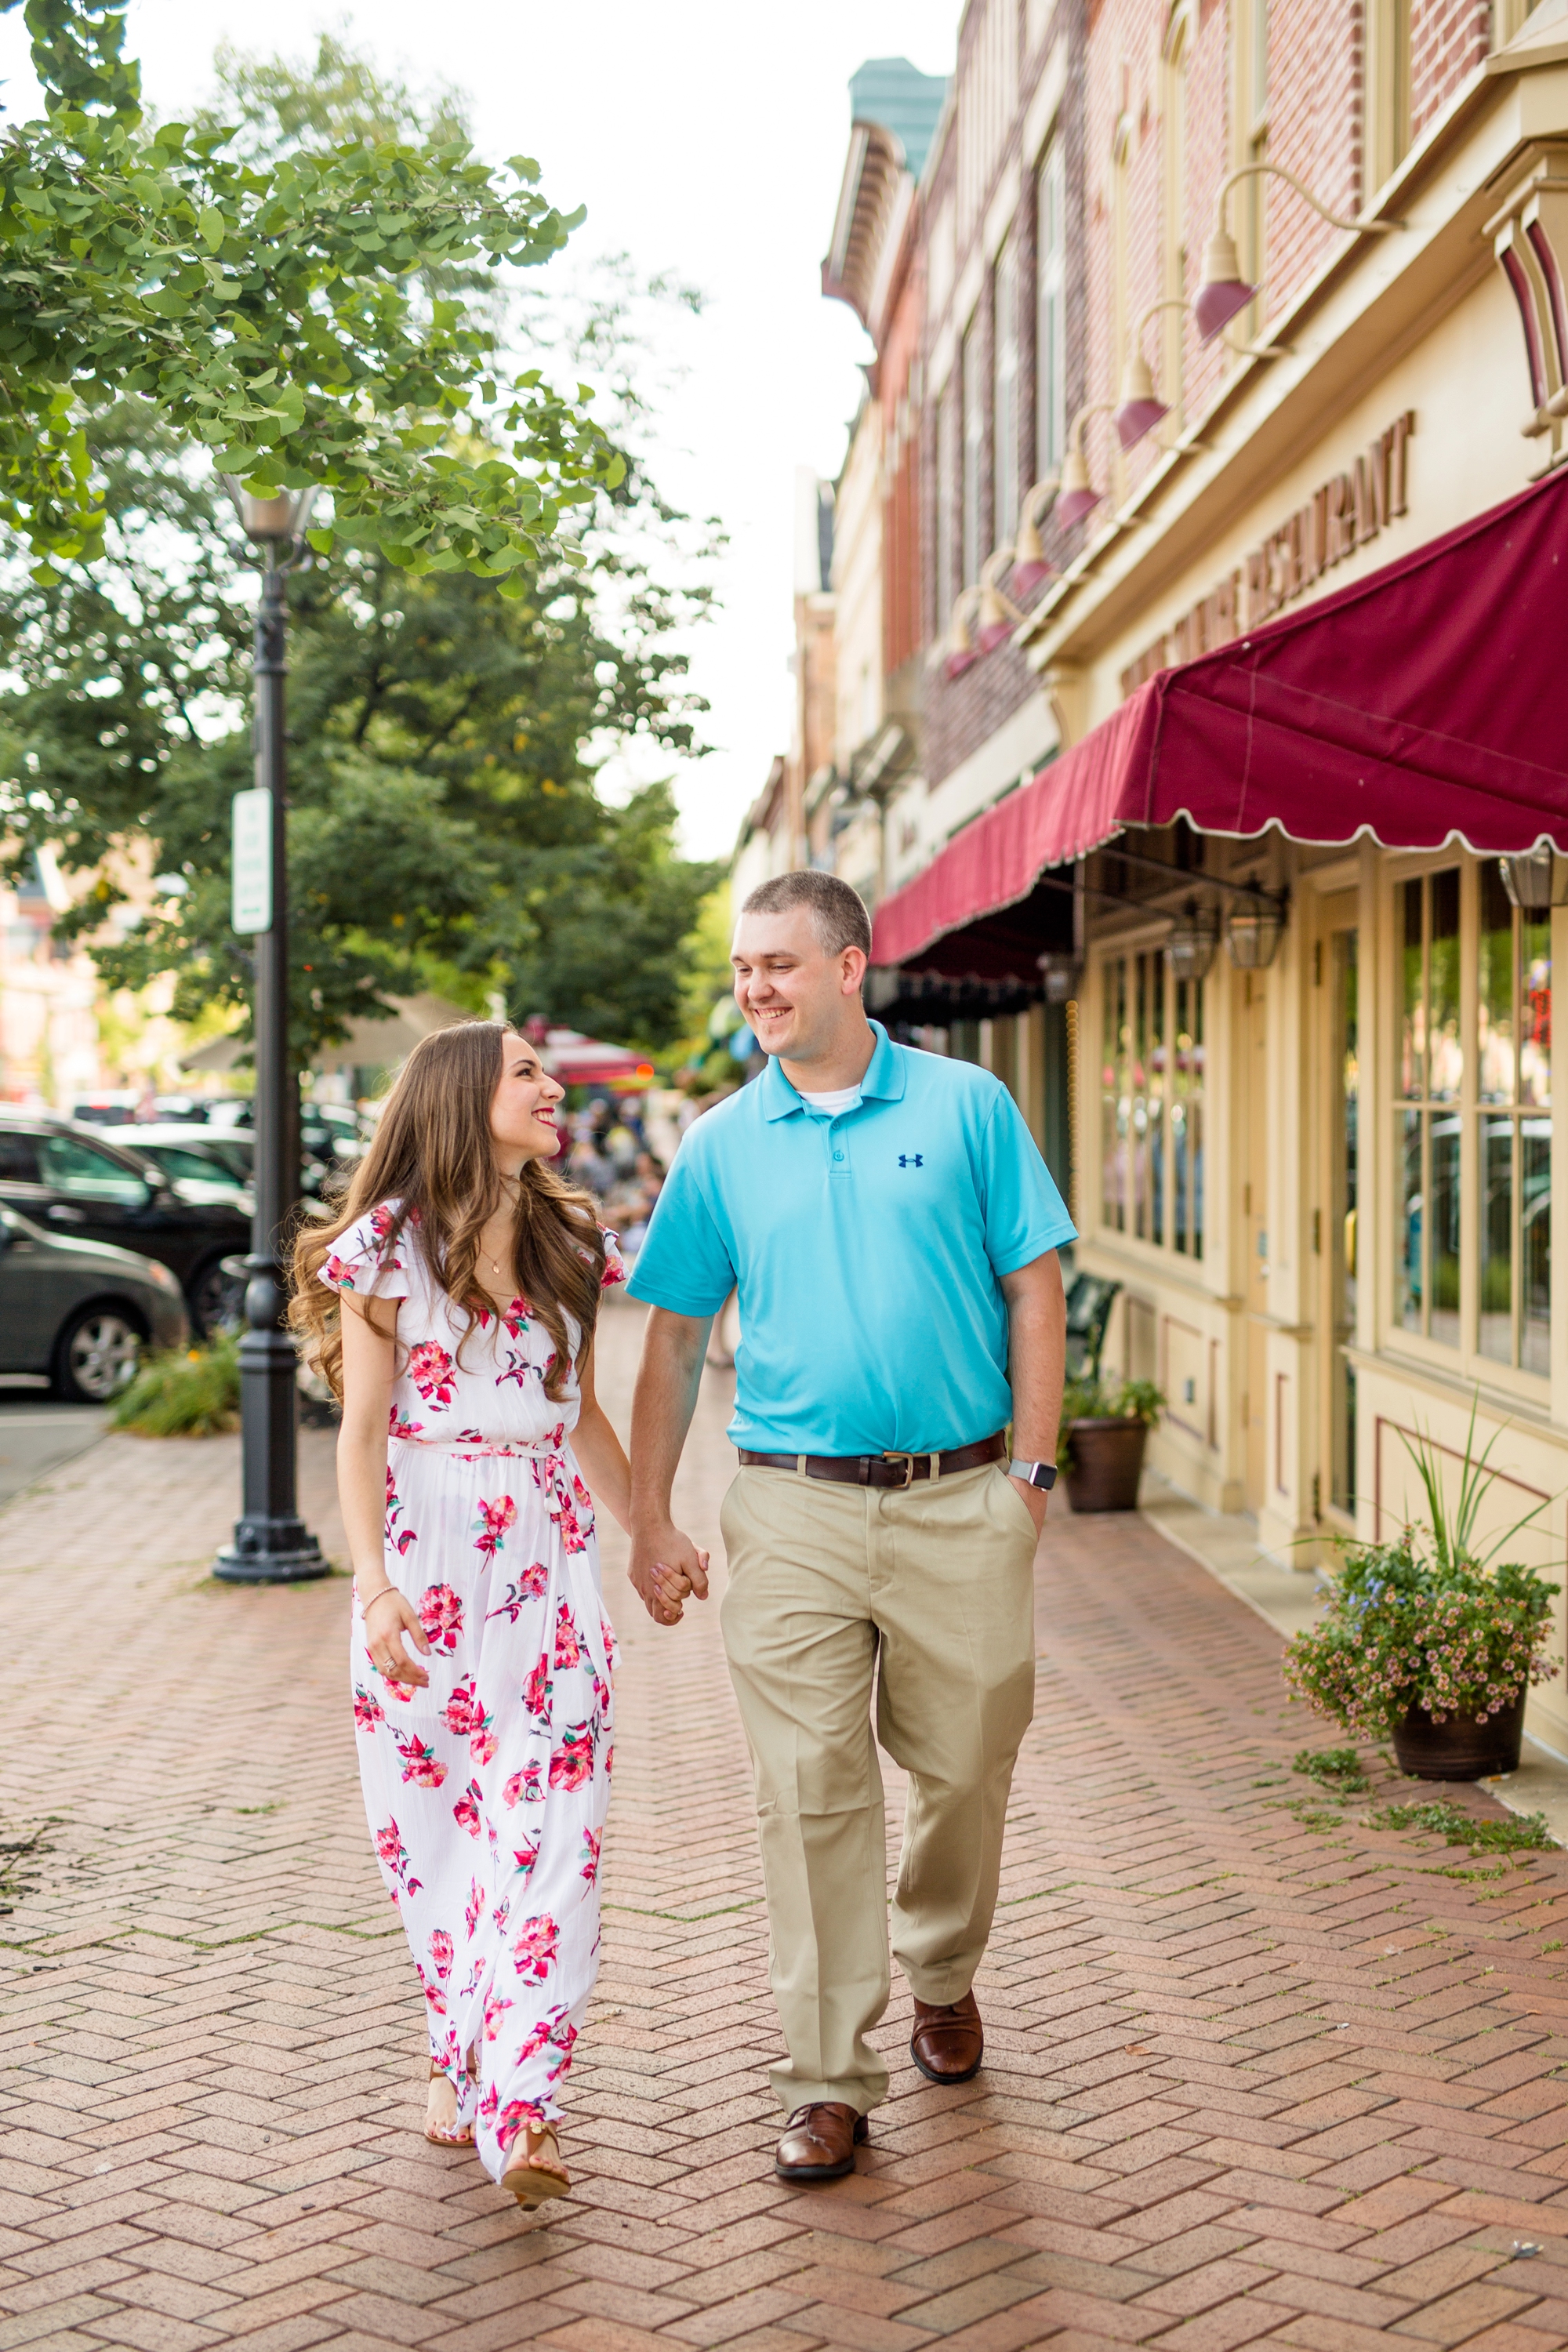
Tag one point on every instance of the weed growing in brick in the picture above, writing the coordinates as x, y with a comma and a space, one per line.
1338, 1768
1522, 1832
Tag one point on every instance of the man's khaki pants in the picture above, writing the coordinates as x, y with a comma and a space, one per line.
929, 1589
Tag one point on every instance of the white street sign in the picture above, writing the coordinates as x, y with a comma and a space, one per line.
252, 865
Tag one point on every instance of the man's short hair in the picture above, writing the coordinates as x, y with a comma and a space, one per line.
837, 913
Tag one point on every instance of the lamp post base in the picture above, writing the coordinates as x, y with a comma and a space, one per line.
271, 1551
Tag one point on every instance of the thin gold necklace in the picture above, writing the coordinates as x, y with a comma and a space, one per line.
512, 1187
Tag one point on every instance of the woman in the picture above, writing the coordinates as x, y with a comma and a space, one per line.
468, 1279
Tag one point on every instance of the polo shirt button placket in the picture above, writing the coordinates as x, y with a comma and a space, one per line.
839, 1148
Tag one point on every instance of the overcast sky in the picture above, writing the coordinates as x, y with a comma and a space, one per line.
707, 138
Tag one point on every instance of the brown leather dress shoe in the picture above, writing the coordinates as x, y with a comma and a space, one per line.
820, 2142
948, 2043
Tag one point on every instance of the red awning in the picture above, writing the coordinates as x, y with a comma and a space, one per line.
1425, 704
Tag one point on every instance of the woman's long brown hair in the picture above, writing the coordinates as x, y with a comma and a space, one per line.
432, 1155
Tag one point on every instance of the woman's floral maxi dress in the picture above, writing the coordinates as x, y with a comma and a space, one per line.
487, 1793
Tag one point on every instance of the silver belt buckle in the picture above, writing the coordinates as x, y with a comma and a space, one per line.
908, 1462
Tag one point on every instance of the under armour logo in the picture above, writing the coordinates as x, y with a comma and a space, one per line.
911, 1160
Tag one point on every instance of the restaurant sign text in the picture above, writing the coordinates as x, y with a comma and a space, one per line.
1347, 513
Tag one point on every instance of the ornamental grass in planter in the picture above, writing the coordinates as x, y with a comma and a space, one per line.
184, 1393
1104, 1430
1429, 1641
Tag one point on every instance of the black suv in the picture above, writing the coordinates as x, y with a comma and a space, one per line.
72, 1180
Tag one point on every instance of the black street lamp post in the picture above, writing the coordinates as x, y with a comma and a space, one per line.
271, 1543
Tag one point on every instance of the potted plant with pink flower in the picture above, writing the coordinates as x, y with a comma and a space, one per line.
1429, 1641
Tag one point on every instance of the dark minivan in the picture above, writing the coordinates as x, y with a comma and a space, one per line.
73, 1181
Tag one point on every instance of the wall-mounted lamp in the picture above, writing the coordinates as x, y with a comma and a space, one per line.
1222, 290
1078, 496
1141, 408
1193, 941
1254, 927
1530, 880
1063, 977
998, 616
958, 650
1030, 563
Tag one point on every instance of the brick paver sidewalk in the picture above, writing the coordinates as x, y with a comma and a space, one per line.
1255, 2074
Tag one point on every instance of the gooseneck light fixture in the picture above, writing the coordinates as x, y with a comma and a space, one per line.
1139, 409
1030, 561
957, 650
999, 616
1078, 496
1222, 290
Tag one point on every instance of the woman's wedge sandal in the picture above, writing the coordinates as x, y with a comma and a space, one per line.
531, 2182
460, 2134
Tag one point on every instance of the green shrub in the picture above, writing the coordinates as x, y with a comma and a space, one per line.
185, 1392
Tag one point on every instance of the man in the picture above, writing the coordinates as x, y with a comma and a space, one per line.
892, 1230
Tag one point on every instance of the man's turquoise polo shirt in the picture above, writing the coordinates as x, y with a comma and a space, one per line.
869, 1251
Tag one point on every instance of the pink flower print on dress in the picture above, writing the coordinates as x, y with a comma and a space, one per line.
443, 1952
466, 1812
534, 1950
339, 1272
530, 1586
523, 1788
611, 1649
441, 1614
495, 2009
563, 2035
368, 1710
565, 1517
536, 1689
568, 1648
430, 1369
397, 1541
397, 1426
584, 1500
572, 1762
490, 1527
525, 1856
462, 1709
474, 1909
502, 1914
513, 2116
394, 1854
591, 1842
420, 1762
437, 1999
482, 1741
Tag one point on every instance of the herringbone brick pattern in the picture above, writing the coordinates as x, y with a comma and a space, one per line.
1254, 2075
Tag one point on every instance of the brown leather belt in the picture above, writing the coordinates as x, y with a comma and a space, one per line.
880, 1469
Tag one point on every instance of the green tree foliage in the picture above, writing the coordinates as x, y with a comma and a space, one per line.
445, 825
280, 308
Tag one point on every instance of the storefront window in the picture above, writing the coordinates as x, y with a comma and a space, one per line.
1428, 1139
1510, 1228
1152, 1113
1513, 1053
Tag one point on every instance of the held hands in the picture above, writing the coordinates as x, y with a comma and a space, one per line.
667, 1566
387, 1616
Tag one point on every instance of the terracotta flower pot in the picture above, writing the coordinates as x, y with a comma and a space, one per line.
1105, 1458
1460, 1748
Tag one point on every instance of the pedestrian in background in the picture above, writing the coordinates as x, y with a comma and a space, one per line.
461, 1341
892, 1230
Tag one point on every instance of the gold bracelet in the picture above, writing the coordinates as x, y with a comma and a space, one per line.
366, 1606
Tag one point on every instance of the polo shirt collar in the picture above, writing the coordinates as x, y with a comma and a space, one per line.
883, 1081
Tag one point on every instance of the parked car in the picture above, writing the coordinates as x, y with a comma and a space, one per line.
332, 1137
79, 1311
71, 1179
210, 1155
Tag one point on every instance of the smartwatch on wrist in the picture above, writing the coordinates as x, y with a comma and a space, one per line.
1034, 1473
